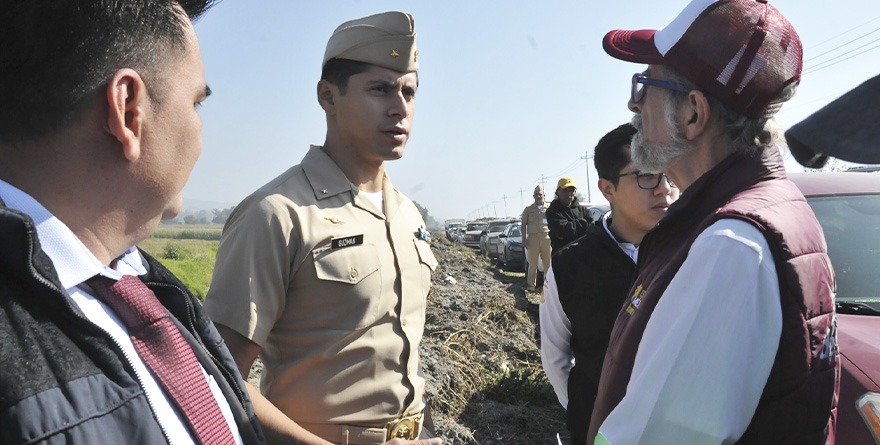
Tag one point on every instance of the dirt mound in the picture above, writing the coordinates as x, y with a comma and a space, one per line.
481, 358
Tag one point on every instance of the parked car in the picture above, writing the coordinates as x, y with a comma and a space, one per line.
489, 243
597, 211
847, 205
472, 234
453, 231
455, 234
512, 255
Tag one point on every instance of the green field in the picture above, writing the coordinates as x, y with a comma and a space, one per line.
188, 252
209, 232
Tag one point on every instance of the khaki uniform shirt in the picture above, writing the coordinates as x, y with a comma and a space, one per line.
332, 289
535, 216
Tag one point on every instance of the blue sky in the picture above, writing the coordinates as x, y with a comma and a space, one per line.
511, 93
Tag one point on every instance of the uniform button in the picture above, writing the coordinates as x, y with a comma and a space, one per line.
403, 321
353, 273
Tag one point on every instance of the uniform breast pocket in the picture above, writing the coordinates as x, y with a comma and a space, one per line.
426, 260
349, 289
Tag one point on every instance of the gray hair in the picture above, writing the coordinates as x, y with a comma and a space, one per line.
749, 135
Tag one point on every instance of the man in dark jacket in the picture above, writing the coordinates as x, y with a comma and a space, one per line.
588, 280
98, 134
728, 332
567, 220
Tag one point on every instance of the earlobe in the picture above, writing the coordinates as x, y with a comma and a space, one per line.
325, 97
607, 189
700, 114
126, 99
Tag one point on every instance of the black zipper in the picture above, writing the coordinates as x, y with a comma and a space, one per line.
72, 311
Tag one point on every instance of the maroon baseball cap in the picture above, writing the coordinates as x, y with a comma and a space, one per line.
743, 52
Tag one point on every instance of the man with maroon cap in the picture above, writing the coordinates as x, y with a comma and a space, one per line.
728, 332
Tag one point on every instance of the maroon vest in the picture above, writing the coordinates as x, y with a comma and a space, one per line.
798, 404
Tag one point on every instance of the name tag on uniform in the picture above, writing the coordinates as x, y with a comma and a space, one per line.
338, 243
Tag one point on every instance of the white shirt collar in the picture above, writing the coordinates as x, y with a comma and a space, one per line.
73, 261
628, 248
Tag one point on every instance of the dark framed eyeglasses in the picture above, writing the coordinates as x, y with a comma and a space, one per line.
639, 81
648, 181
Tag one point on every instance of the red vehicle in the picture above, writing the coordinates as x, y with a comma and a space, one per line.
847, 205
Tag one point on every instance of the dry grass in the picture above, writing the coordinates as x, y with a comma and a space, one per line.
481, 356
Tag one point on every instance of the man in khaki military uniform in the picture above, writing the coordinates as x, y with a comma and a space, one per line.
536, 236
324, 271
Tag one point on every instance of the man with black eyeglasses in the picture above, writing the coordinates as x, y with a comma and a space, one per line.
589, 278
728, 331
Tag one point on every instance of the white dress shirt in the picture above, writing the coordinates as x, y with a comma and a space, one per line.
556, 356
708, 348
75, 264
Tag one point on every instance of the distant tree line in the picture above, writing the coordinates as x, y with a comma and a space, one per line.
202, 217
429, 220
217, 216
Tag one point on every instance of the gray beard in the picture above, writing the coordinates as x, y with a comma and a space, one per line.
657, 157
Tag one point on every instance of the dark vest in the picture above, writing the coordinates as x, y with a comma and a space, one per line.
593, 275
565, 223
798, 404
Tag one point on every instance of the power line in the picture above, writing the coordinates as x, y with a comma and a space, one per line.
834, 60
841, 46
836, 56
849, 31
574, 164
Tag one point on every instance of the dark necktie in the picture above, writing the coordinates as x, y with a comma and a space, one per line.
164, 350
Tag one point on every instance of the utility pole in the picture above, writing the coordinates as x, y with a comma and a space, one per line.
521, 197
543, 181
587, 157
505, 206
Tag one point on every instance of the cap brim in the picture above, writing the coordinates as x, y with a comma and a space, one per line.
633, 46
845, 129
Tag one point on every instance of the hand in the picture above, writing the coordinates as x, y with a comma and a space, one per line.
431, 441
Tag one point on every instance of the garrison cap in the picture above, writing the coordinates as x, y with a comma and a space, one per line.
387, 39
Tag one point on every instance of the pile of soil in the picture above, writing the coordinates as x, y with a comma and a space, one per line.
480, 355
481, 358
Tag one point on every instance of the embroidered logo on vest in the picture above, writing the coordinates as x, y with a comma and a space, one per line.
636, 300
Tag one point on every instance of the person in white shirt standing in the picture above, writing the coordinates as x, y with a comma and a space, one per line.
589, 277
99, 130
728, 332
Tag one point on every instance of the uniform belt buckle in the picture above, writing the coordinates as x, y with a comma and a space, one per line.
404, 428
